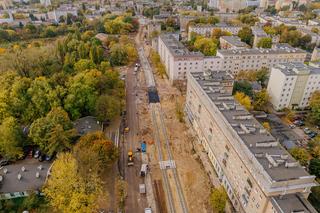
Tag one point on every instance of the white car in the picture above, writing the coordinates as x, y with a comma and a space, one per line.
147, 210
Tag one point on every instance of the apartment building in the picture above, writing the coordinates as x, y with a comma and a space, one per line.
206, 29
258, 174
258, 34
232, 42
235, 60
177, 59
292, 84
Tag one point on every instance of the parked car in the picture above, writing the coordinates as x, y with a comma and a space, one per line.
41, 157
49, 157
4, 162
292, 126
298, 123
312, 134
307, 130
37, 154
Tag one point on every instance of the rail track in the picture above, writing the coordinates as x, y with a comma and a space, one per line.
161, 132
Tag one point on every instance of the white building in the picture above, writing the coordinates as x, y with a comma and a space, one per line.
237, 60
258, 175
292, 84
177, 59
206, 29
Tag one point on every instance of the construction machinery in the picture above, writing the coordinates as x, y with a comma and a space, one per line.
130, 158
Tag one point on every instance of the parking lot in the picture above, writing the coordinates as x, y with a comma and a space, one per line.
28, 181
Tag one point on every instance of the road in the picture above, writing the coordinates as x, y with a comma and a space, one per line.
134, 202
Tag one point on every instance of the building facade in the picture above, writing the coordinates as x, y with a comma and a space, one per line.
237, 60
257, 173
206, 29
177, 59
292, 84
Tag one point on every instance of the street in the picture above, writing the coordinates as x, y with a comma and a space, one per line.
134, 202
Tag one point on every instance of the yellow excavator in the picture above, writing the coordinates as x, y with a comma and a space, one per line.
130, 158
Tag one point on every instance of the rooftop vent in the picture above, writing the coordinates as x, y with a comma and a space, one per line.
292, 164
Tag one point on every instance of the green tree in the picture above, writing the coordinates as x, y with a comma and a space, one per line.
118, 55
314, 113
107, 107
300, 154
218, 199
67, 191
242, 86
260, 100
246, 35
83, 65
53, 133
206, 45
11, 139
265, 43
314, 167
43, 96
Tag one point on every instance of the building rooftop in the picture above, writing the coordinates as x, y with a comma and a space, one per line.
219, 25
234, 40
295, 68
258, 31
261, 51
265, 149
292, 203
177, 48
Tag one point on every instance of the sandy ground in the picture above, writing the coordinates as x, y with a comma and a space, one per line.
194, 180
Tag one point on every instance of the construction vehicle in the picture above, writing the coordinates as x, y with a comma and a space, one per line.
130, 158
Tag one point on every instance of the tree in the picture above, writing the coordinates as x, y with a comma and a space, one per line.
314, 114
67, 191
265, 43
218, 199
118, 55
314, 167
206, 45
217, 33
242, 86
246, 35
53, 133
267, 126
262, 75
94, 152
270, 30
260, 100
11, 139
300, 154
248, 19
84, 64
243, 99
107, 108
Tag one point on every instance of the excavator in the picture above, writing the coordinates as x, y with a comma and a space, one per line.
130, 158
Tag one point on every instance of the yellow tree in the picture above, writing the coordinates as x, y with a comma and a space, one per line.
67, 191
243, 100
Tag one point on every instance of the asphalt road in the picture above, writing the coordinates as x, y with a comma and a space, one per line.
135, 202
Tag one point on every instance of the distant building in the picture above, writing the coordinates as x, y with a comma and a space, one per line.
292, 84
232, 42
315, 54
206, 29
237, 60
258, 34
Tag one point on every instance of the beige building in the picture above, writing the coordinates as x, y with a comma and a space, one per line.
237, 60
206, 29
232, 42
292, 84
258, 174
